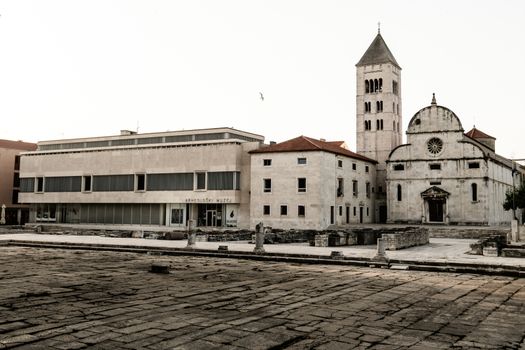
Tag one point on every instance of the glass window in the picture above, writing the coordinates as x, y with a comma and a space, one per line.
301, 160
301, 184
39, 184
339, 163
266, 210
284, 210
267, 183
140, 182
300, 211
201, 180
354, 166
354, 188
367, 169
267, 162
177, 216
86, 183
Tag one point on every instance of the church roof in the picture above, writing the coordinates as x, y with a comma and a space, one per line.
306, 144
478, 134
378, 52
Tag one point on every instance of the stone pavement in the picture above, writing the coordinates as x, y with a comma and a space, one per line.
439, 251
73, 299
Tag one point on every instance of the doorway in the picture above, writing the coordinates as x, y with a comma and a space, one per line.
435, 210
211, 218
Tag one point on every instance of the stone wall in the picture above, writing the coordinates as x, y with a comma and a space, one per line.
411, 237
467, 232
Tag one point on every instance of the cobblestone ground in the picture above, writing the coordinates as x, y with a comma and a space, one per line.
59, 299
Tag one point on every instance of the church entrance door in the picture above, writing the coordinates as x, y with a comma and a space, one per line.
435, 210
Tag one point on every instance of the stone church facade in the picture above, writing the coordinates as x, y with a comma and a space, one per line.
442, 175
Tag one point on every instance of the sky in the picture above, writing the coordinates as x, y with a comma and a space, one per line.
72, 69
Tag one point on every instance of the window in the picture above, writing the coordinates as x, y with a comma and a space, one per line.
366, 107
177, 216
340, 187
367, 87
354, 188
474, 188
367, 211
200, 180
17, 162
332, 216
266, 210
86, 183
300, 211
435, 166
339, 163
394, 87
267, 185
355, 211
347, 215
354, 166
368, 189
380, 189
140, 182
301, 184
473, 165
434, 146
301, 160
340, 211
39, 185
267, 162
367, 169
399, 167
435, 183
381, 124
399, 197
284, 210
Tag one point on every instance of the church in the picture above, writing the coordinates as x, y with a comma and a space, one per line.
442, 175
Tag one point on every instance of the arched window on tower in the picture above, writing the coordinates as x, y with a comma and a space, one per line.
367, 87
381, 105
474, 192
377, 124
381, 124
397, 109
399, 193
393, 107
394, 125
376, 85
380, 84
370, 107
377, 107
366, 107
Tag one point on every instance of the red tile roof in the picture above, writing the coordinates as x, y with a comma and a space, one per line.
478, 134
23, 146
307, 144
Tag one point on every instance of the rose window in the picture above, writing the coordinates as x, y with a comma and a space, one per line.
435, 145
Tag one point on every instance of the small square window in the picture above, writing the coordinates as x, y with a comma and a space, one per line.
301, 184
140, 182
267, 162
354, 166
300, 211
435, 166
301, 160
339, 163
266, 210
284, 210
473, 165
398, 167
267, 183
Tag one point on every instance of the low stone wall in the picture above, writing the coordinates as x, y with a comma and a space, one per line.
467, 232
412, 236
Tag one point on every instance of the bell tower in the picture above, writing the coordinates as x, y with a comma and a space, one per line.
378, 111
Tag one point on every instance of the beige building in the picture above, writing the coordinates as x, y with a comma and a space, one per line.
442, 175
378, 111
146, 179
15, 213
304, 183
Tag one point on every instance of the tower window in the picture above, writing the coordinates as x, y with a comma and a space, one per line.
399, 195
367, 87
377, 124
376, 85
380, 84
381, 124
366, 107
394, 87
474, 188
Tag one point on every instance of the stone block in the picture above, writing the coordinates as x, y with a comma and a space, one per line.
137, 234
490, 251
321, 240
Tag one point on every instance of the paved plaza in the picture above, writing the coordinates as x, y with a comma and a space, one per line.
72, 299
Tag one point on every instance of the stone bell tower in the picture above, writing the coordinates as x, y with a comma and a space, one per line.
378, 111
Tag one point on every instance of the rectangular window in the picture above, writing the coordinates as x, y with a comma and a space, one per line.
367, 211
340, 211
16, 180
434, 183
200, 180
267, 162
399, 167
301, 184
177, 216
17, 162
339, 163
284, 210
347, 215
354, 166
86, 183
354, 188
300, 211
220, 180
39, 185
170, 182
367, 169
340, 187
301, 160
473, 165
140, 182
266, 210
267, 185
368, 189
332, 218
355, 211
435, 166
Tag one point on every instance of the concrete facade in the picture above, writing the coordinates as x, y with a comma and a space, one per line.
328, 197
15, 212
443, 176
162, 178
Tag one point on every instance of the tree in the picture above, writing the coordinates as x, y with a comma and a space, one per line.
516, 196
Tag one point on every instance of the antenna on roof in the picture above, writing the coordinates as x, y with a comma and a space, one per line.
378, 27
137, 126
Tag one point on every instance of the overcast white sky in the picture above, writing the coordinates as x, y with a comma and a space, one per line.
90, 68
